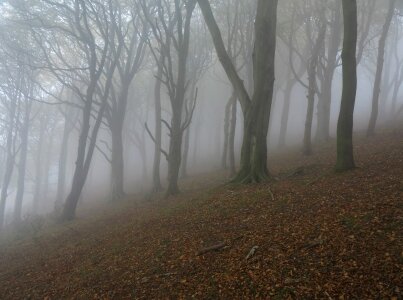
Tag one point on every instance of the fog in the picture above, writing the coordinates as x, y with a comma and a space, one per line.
81, 83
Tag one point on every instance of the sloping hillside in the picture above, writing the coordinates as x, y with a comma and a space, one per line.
310, 233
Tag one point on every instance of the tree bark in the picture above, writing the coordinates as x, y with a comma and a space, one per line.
345, 153
117, 123
22, 162
379, 69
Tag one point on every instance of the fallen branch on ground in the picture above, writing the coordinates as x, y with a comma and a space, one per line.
212, 248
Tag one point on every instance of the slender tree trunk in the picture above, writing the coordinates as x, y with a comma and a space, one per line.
84, 156
177, 104
345, 153
186, 145
227, 121
324, 104
231, 140
157, 146
379, 69
285, 112
312, 70
39, 167
22, 163
48, 162
9, 167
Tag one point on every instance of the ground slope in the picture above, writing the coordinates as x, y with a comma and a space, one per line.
315, 234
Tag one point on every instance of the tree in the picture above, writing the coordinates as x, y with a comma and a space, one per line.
379, 68
256, 109
345, 152
171, 30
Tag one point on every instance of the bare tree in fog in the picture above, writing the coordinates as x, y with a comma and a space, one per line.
256, 109
379, 68
170, 24
132, 35
11, 94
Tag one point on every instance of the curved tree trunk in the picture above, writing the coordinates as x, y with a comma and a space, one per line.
256, 111
345, 153
379, 69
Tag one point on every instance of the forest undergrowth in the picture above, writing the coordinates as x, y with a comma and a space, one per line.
308, 233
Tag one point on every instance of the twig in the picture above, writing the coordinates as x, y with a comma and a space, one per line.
212, 248
152, 137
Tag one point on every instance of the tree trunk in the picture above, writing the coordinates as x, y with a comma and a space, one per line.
177, 104
227, 121
312, 70
48, 162
22, 163
9, 167
324, 104
231, 140
61, 177
84, 156
345, 153
285, 112
39, 167
256, 111
175, 153
379, 69
157, 146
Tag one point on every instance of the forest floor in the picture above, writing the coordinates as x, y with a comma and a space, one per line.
309, 234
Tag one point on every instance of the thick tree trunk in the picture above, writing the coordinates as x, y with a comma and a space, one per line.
256, 111
379, 69
22, 163
345, 153
61, 178
175, 153
185, 155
